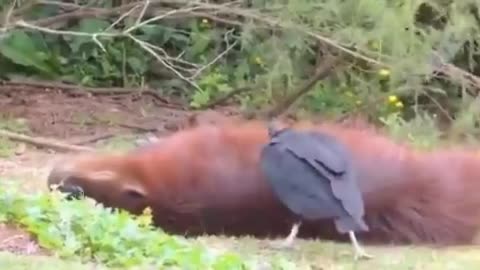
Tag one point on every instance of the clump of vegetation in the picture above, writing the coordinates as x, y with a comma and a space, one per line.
79, 229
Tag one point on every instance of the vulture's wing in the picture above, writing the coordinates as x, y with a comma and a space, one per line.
331, 160
303, 190
345, 187
320, 152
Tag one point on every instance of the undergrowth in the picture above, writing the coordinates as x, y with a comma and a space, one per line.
421, 54
88, 231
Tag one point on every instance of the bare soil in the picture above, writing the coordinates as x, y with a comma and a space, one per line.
17, 241
57, 114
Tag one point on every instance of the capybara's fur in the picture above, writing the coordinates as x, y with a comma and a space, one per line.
207, 179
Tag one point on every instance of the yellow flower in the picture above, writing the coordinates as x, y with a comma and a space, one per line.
384, 72
205, 21
258, 60
392, 99
399, 104
374, 45
146, 218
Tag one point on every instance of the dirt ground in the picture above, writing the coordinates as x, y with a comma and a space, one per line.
76, 119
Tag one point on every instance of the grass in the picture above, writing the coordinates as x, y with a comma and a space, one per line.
24, 262
316, 255
327, 255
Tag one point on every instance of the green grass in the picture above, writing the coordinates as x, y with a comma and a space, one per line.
308, 255
328, 255
23, 262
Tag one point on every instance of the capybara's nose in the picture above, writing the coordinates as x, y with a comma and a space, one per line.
63, 183
73, 192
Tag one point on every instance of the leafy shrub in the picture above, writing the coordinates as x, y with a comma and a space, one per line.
78, 228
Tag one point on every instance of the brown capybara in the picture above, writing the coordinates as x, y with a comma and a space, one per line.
207, 179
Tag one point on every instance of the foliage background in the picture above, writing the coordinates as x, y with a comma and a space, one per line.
423, 52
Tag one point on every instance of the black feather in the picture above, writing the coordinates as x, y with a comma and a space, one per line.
314, 176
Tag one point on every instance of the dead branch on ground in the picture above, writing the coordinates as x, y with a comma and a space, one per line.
44, 142
92, 139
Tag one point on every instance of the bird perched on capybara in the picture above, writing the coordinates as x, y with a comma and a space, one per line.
207, 179
313, 175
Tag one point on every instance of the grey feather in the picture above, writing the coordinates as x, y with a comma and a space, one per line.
314, 176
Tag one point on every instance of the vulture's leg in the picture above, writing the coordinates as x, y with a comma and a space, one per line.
288, 242
359, 251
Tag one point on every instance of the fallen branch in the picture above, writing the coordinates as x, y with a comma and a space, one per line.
92, 139
44, 142
138, 127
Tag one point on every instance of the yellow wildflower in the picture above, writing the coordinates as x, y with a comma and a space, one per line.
205, 21
384, 72
374, 45
258, 60
392, 99
146, 218
399, 104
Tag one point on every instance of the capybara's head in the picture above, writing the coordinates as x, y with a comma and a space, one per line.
107, 178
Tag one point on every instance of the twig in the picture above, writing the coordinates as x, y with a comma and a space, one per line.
95, 121
229, 47
92, 139
43, 142
138, 127
322, 70
142, 13
224, 98
8, 16
154, 54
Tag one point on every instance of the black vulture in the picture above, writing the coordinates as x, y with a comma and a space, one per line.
313, 175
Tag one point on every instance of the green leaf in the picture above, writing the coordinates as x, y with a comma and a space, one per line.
19, 48
200, 43
91, 26
137, 65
